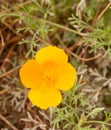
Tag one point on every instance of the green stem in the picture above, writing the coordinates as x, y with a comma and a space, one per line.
63, 27
99, 122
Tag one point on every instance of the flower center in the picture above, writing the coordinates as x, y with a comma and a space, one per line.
49, 78
49, 73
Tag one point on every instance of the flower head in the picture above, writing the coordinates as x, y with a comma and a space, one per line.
46, 75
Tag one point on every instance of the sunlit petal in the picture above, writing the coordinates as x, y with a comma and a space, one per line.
66, 77
53, 54
45, 97
30, 74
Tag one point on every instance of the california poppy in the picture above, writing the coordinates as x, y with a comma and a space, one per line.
47, 75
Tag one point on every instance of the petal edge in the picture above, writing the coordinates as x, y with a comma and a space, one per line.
30, 73
66, 77
45, 97
51, 53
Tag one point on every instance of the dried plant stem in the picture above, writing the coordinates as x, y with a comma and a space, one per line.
8, 55
12, 41
2, 39
10, 28
51, 115
97, 12
10, 71
73, 54
3, 91
7, 122
104, 10
80, 58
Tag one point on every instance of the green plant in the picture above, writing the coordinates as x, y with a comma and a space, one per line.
82, 28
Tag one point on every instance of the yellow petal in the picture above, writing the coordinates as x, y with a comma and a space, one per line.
53, 54
45, 97
66, 77
30, 74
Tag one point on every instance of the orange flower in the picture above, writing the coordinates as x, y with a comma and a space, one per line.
46, 75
